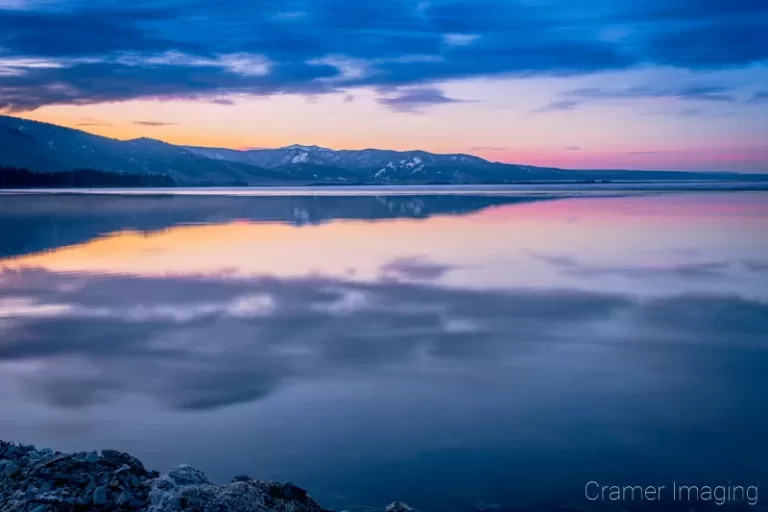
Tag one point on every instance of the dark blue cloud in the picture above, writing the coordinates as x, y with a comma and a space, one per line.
103, 82
108, 50
711, 46
85, 32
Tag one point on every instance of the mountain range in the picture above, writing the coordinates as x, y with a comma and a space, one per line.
44, 147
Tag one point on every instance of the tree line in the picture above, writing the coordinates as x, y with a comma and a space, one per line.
12, 177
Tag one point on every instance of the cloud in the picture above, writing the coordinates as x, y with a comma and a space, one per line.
113, 51
759, 97
194, 343
694, 92
646, 152
489, 148
94, 82
712, 44
572, 148
413, 100
557, 106
153, 123
714, 94
93, 122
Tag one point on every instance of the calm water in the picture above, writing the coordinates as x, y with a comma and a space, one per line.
450, 351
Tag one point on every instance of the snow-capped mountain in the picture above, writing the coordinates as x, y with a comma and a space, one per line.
377, 165
46, 147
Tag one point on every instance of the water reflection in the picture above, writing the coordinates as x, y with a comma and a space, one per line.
46, 222
502, 356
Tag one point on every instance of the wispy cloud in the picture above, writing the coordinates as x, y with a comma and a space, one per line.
689, 92
557, 106
153, 123
690, 112
759, 97
88, 121
414, 100
488, 148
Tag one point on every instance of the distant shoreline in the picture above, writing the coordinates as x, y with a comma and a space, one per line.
537, 188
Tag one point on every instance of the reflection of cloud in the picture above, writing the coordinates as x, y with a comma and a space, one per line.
232, 341
697, 319
209, 354
572, 266
414, 268
756, 266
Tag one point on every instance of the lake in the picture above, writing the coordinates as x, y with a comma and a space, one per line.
479, 349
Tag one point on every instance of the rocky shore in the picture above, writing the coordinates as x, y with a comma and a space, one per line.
34, 480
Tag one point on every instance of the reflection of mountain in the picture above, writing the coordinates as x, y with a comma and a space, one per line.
38, 223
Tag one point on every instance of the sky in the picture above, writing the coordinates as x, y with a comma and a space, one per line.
604, 84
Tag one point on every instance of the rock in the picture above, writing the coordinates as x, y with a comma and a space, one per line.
47, 481
288, 491
122, 458
100, 496
187, 475
397, 506
10, 469
62, 477
136, 504
193, 503
124, 498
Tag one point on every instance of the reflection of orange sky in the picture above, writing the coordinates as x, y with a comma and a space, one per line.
608, 229
700, 209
